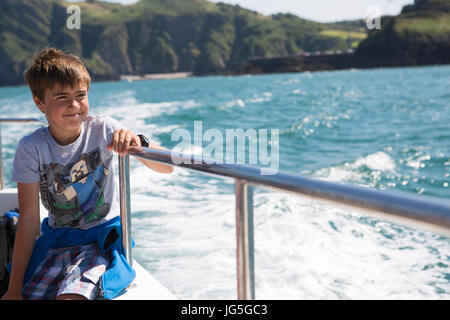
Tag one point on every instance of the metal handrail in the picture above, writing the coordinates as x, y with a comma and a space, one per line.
417, 211
12, 120
413, 210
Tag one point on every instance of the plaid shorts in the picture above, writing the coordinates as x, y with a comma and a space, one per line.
74, 270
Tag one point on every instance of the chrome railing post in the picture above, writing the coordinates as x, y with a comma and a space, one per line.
244, 240
125, 210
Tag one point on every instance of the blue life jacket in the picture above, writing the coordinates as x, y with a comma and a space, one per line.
117, 276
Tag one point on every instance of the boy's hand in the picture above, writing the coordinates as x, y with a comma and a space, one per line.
122, 139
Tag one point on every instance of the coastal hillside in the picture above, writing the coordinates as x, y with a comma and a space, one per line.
420, 35
159, 36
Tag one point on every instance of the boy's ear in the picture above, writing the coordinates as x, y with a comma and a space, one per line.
39, 104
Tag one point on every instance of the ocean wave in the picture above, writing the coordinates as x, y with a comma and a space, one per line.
141, 111
308, 124
315, 245
365, 170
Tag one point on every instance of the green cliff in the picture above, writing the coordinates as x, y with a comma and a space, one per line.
158, 36
420, 35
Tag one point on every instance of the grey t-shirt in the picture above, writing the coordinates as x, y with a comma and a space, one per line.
77, 180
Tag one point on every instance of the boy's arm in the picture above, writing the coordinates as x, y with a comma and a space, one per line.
124, 138
159, 167
26, 234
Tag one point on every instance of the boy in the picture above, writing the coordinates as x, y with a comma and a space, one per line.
70, 164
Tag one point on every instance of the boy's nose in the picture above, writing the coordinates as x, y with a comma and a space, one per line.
74, 104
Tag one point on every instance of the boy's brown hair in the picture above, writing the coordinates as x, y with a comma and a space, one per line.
51, 66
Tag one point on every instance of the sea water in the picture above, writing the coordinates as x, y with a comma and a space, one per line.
385, 129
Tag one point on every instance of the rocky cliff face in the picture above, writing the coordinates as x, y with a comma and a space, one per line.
22, 30
420, 35
153, 36
158, 36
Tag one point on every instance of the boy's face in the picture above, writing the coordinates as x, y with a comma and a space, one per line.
65, 109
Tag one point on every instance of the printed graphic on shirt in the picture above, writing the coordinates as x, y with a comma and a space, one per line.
74, 193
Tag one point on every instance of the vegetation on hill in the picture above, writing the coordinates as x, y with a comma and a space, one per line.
155, 36
420, 35
158, 36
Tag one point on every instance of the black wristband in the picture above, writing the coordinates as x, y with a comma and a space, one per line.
144, 140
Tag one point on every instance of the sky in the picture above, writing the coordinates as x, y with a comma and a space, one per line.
317, 10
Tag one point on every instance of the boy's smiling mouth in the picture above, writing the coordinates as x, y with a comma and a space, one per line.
72, 115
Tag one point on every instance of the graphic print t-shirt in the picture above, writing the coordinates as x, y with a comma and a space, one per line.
77, 180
